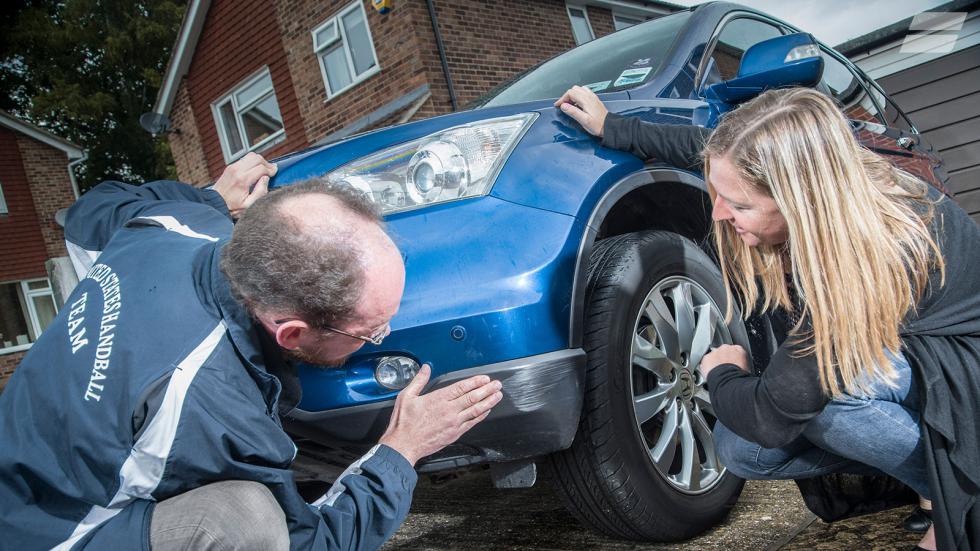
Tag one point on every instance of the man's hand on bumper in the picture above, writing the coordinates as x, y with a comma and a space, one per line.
244, 181
422, 424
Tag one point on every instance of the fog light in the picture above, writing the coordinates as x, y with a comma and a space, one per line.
395, 372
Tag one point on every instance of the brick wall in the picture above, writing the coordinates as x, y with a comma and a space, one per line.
489, 42
186, 146
238, 39
395, 46
47, 172
601, 20
7, 364
22, 247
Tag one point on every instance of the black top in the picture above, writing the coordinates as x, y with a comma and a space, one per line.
941, 339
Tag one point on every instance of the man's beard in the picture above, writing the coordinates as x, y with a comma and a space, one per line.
300, 355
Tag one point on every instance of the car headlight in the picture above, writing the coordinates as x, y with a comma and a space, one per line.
455, 163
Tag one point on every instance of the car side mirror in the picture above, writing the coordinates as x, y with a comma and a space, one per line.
790, 60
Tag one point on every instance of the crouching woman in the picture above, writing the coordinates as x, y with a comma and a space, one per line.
881, 275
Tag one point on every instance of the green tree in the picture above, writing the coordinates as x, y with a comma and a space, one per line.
87, 70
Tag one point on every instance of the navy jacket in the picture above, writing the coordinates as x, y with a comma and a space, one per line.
150, 382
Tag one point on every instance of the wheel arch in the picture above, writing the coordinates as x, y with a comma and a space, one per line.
653, 199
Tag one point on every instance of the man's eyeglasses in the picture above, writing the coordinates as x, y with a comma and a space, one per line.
374, 339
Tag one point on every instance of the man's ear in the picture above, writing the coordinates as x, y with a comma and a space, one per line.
290, 333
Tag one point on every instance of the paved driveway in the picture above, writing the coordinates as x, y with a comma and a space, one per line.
468, 513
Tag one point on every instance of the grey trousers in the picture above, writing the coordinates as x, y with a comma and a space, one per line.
229, 516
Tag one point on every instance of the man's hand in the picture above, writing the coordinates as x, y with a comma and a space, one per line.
424, 424
725, 354
584, 106
244, 181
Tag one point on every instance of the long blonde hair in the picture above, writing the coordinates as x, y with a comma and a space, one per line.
859, 247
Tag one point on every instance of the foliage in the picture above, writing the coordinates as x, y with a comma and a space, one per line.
87, 70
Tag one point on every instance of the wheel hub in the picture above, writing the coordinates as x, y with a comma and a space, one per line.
686, 385
676, 326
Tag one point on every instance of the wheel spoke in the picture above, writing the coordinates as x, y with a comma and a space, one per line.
683, 315
663, 322
647, 356
666, 446
702, 431
703, 400
704, 333
690, 475
647, 405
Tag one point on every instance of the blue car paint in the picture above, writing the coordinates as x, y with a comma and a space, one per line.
500, 271
501, 267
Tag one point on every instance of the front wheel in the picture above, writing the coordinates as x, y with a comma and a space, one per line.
643, 465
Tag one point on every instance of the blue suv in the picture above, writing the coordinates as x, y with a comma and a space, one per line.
580, 277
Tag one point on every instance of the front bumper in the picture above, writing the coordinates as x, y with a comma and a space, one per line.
538, 415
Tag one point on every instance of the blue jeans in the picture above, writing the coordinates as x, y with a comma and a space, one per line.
871, 434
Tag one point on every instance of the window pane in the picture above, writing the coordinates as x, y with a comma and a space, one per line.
227, 115
359, 42
845, 87
44, 307
580, 26
13, 317
254, 91
3, 202
738, 35
37, 284
335, 65
620, 22
325, 36
262, 120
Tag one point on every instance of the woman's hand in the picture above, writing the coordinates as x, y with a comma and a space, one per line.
725, 354
584, 106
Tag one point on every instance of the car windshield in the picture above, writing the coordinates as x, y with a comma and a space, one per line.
622, 60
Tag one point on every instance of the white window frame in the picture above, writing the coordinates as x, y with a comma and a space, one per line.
628, 17
3, 202
29, 295
231, 96
585, 12
342, 36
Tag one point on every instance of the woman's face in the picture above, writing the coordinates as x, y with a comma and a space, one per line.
753, 215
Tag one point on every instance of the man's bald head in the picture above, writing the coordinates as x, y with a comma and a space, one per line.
316, 251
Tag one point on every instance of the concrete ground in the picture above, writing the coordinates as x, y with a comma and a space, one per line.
469, 513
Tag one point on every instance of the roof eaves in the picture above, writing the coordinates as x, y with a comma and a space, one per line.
183, 53
42, 135
896, 31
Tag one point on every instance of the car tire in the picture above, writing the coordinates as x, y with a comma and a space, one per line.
610, 477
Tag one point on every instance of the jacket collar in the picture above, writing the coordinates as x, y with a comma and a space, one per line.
260, 355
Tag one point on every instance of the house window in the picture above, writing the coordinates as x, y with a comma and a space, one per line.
26, 309
248, 118
621, 22
3, 202
345, 49
581, 28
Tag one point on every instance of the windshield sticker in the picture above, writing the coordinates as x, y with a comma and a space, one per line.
599, 86
632, 76
642, 62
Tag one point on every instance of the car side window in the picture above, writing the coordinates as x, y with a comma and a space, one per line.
845, 87
737, 36
893, 115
